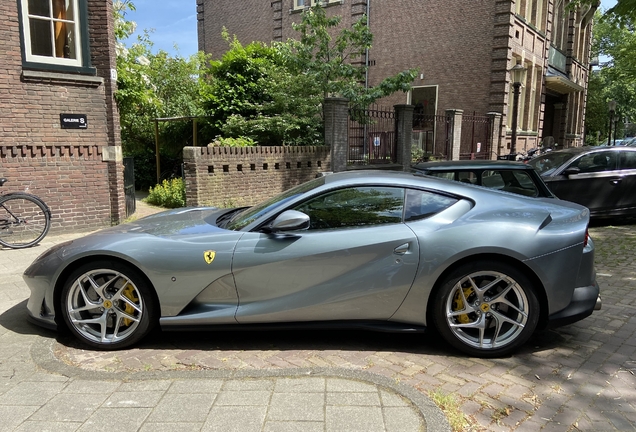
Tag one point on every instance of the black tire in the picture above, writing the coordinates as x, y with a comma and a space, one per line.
108, 305
507, 309
24, 220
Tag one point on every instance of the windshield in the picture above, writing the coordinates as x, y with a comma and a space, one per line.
547, 163
249, 215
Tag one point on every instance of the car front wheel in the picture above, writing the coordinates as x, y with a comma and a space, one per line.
108, 305
486, 309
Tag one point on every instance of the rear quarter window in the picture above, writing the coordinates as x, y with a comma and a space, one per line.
424, 204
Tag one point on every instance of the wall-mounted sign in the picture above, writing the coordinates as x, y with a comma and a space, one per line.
73, 121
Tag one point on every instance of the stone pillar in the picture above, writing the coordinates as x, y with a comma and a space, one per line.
336, 118
404, 126
454, 117
494, 137
191, 158
112, 156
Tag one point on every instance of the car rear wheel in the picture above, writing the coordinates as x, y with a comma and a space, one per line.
486, 309
108, 305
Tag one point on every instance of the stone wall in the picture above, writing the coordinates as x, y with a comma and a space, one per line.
240, 176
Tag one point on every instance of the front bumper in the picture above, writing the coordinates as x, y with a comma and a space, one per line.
585, 300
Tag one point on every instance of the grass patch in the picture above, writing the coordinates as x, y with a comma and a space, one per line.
449, 404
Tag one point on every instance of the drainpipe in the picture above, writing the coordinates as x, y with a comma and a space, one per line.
366, 54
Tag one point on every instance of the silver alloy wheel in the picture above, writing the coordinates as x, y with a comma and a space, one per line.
487, 310
104, 306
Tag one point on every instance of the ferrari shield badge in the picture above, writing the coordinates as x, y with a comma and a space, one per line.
209, 256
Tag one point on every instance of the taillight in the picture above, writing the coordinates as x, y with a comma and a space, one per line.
587, 237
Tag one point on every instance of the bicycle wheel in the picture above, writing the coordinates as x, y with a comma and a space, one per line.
24, 220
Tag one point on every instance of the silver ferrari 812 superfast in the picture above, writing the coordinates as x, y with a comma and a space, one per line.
368, 249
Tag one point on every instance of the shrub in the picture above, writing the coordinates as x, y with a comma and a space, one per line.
170, 194
234, 142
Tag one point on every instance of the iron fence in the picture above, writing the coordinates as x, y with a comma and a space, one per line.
430, 133
372, 136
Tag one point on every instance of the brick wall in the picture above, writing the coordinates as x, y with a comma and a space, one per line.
231, 176
71, 179
65, 167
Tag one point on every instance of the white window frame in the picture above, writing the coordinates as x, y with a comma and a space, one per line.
75, 21
310, 3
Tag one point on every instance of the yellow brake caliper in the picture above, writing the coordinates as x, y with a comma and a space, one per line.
129, 293
458, 304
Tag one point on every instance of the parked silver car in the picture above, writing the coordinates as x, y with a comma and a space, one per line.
377, 250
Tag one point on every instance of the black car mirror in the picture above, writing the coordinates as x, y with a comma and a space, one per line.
571, 171
289, 220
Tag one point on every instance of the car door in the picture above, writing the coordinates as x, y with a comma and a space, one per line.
594, 185
627, 196
357, 260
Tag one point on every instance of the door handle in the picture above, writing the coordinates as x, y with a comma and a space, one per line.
614, 182
402, 249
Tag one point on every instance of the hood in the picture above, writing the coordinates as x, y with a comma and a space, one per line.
178, 222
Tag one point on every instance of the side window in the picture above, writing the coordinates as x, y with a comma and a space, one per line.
423, 204
627, 160
467, 177
442, 174
492, 179
53, 32
355, 207
595, 162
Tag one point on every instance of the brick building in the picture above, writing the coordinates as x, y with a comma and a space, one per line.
463, 50
60, 127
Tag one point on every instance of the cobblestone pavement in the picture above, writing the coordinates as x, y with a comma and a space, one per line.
578, 377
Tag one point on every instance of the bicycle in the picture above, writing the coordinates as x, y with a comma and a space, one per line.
24, 219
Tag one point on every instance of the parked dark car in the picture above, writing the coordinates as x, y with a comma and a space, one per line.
508, 176
601, 178
630, 142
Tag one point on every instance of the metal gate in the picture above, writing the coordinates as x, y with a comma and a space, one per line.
129, 185
372, 136
475, 142
431, 134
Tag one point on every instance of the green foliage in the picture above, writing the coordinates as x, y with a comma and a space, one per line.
335, 63
616, 79
154, 85
170, 194
273, 94
234, 142
253, 93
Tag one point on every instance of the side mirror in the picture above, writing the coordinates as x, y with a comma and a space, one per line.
289, 220
572, 170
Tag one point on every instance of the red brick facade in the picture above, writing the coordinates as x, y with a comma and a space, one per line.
77, 172
463, 50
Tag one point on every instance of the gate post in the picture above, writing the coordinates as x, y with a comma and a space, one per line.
404, 128
336, 117
494, 138
454, 117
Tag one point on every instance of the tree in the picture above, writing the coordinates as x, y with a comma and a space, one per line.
253, 93
151, 85
273, 93
616, 78
335, 61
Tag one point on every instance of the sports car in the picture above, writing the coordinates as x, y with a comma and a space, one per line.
377, 250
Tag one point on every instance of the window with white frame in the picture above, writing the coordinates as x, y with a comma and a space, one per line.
301, 4
51, 31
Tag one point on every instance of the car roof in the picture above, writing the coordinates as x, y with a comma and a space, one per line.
585, 149
470, 165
